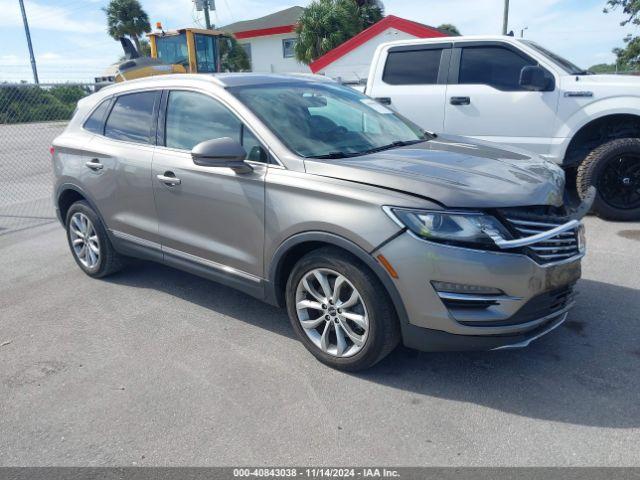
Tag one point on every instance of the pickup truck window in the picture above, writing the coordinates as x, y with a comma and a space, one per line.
414, 67
497, 67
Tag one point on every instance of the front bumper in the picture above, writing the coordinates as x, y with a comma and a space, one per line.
536, 297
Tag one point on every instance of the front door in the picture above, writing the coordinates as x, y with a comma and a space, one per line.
485, 100
209, 216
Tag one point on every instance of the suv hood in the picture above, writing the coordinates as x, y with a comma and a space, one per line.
454, 172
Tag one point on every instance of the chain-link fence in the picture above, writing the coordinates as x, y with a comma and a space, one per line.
30, 118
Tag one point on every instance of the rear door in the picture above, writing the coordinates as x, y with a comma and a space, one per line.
412, 81
485, 100
118, 160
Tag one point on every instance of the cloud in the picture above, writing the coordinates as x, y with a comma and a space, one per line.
50, 17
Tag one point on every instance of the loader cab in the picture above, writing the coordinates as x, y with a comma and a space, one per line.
196, 50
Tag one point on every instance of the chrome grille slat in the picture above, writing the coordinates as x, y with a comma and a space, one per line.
552, 249
529, 231
556, 255
529, 223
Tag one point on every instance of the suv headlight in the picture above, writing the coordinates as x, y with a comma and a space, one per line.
471, 229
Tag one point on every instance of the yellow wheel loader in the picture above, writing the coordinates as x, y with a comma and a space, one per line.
188, 50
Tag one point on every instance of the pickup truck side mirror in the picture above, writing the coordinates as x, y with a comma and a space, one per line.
536, 79
221, 152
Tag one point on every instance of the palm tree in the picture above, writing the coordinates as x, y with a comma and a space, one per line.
325, 24
450, 29
126, 18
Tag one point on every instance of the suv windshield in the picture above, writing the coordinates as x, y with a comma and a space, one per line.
563, 63
327, 121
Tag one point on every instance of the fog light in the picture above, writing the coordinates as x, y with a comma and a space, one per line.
462, 288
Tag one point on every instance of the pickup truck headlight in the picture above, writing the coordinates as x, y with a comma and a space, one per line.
453, 228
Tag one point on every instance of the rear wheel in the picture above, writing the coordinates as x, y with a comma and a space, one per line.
89, 243
614, 169
340, 310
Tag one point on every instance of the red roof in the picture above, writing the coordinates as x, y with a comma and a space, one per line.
390, 21
261, 32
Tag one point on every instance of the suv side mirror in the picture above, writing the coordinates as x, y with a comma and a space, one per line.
221, 152
535, 78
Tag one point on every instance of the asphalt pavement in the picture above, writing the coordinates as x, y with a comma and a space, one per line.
153, 366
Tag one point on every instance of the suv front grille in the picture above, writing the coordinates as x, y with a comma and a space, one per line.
525, 224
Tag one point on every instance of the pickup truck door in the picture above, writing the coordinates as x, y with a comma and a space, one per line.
485, 99
412, 81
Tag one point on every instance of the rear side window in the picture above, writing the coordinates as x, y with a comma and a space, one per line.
497, 67
412, 67
131, 117
95, 122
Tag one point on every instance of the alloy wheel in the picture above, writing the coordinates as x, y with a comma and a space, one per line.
619, 183
84, 240
332, 313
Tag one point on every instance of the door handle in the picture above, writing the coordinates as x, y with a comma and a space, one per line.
383, 100
94, 164
460, 101
169, 179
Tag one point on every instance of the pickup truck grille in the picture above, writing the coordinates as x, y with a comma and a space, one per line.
560, 247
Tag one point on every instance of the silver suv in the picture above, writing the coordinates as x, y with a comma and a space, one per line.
307, 194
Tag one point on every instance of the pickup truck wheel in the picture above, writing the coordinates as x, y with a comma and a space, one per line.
340, 310
614, 169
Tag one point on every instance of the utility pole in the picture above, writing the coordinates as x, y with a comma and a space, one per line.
505, 18
205, 6
28, 34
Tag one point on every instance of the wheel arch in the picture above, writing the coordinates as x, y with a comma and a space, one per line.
67, 194
593, 132
295, 247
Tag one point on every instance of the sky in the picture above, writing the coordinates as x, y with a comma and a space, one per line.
71, 44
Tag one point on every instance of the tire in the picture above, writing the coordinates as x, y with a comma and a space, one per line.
107, 260
381, 334
598, 169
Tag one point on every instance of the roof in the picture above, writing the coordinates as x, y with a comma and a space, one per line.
390, 21
283, 21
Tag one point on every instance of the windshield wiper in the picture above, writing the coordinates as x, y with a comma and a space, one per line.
397, 144
333, 155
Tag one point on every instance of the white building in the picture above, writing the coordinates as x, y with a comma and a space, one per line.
269, 41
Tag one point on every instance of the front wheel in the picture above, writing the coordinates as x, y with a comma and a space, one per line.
614, 169
340, 310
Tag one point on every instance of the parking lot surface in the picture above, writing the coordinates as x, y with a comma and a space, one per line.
157, 367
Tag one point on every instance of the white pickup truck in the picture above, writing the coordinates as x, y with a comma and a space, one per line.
515, 92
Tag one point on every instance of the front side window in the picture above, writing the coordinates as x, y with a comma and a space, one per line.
288, 47
497, 67
193, 118
131, 117
412, 67
326, 120
95, 122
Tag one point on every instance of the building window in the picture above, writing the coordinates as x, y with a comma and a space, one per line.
288, 47
247, 49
